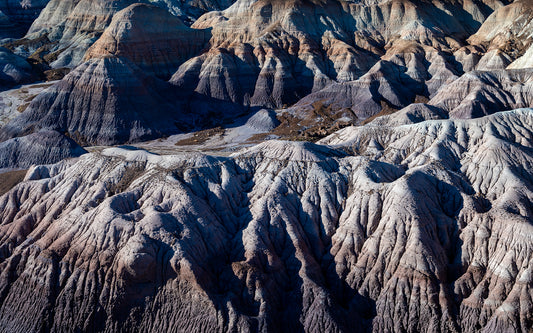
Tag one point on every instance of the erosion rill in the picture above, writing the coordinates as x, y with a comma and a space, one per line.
266, 165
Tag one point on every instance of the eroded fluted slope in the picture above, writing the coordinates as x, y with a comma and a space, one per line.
16, 16
14, 70
70, 27
272, 53
104, 101
423, 227
506, 35
151, 38
477, 94
117, 95
44, 147
355, 58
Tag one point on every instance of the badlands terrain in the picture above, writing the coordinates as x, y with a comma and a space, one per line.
266, 165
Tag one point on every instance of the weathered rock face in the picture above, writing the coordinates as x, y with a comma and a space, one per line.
518, 33
477, 94
8, 29
13, 69
507, 30
52, 18
43, 147
423, 227
487, 283
356, 59
103, 101
151, 38
114, 96
72, 26
412, 222
385, 82
410, 73
190, 10
368, 58
16, 16
22, 11
263, 53
271, 53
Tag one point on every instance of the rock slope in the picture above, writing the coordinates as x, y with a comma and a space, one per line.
358, 60
507, 32
272, 53
44, 147
424, 227
477, 94
190, 10
14, 69
415, 221
117, 94
346, 61
16, 16
151, 38
104, 101
70, 27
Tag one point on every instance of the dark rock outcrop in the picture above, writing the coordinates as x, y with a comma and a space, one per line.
43, 147
16, 16
14, 69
